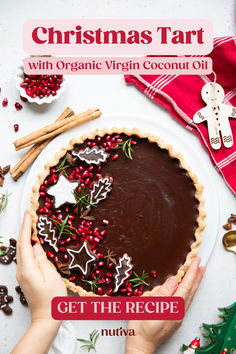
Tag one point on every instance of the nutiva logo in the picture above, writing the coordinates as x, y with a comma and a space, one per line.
117, 332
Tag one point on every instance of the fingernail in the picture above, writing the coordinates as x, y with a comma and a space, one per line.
37, 249
172, 283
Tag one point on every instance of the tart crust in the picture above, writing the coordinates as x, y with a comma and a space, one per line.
152, 139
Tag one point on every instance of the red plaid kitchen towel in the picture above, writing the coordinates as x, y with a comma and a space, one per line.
181, 95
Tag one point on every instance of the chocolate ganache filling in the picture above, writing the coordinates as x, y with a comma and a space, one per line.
128, 199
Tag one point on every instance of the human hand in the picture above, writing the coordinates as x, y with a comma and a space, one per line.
37, 277
151, 334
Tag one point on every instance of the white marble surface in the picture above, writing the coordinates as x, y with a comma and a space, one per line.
111, 94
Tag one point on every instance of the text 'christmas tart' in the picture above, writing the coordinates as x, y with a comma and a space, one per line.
117, 212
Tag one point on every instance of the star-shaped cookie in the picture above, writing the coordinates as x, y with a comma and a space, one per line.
62, 191
82, 258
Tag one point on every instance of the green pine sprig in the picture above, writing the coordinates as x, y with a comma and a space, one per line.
139, 280
62, 227
3, 252
62, 167
91, 342
82, 199
126, 149
93, 283
4, 197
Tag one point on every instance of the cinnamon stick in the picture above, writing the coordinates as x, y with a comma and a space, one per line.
56, 128
33, 153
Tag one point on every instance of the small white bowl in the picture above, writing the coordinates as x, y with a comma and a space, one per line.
45, 99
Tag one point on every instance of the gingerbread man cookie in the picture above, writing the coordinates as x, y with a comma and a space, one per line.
5, 300
217, 115
9, 253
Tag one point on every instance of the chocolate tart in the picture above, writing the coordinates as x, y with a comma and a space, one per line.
117, 212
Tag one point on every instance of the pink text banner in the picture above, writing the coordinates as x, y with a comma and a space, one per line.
118, 308
118, 65
118, 37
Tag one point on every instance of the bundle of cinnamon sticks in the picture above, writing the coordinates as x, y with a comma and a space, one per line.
42, 137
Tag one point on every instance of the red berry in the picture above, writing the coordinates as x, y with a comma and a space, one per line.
105, 222
16, 127
109, 292
5, 102
72, 278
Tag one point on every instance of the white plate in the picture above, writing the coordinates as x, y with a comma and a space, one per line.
180, 144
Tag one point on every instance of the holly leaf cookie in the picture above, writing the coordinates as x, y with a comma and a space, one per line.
5, 300
92, 155
122, 271
47, 232
9, 252
100, 190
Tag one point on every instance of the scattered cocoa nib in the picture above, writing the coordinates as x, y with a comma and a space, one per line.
3, 172
227, 226
70, 159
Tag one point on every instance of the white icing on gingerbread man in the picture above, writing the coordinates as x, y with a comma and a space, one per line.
217, 114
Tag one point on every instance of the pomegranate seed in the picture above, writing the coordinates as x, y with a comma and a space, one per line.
16, 127
100, 291
105, 222
72, 278
101, 263
115, 157
109, 292
50, 254
129, 293
100, 255
103, 233
123, 290
97, 272
135, 293
61, 242
24, 99
109, 275
129, 289
55, 259
110, 265
154, 273
41, 240
140, 293
18, 106
107, 281
62, 249
5, 102
65, 257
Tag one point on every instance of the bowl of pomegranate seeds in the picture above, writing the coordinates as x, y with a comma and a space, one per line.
39, 88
